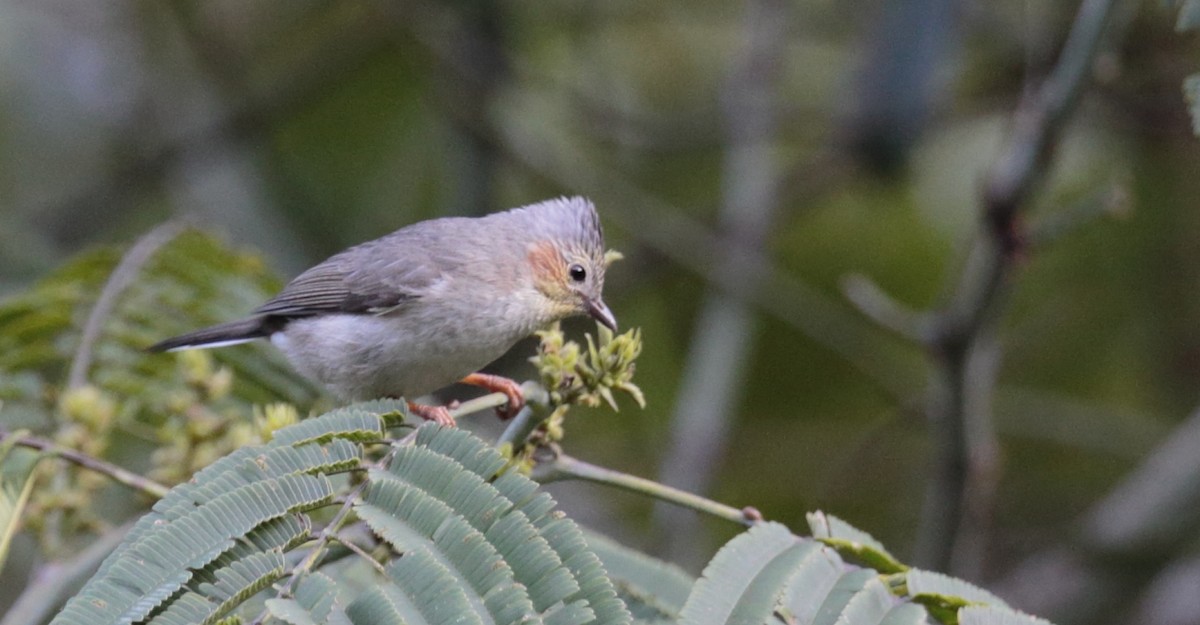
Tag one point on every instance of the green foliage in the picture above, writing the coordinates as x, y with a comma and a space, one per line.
97, 392
465, 541
853, 542
768, 573
652, 589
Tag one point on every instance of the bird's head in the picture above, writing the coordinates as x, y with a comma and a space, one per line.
566, 256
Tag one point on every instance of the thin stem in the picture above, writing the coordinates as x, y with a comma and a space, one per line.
328, 534
479, 404
872, 301
522, 425
120, 279
118, 474
564, 467
349, 544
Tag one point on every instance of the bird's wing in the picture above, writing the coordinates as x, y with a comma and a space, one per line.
369, 279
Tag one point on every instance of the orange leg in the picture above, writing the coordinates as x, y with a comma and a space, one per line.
437, 414
499, 384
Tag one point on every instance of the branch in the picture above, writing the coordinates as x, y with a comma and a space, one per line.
116, 473
564, 467
873, 302
975, 303
121, 277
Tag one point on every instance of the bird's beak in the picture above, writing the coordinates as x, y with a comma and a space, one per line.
599, 311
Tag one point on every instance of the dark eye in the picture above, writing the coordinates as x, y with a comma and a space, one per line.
578, 273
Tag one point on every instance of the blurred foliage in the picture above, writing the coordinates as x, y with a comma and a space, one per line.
165, 415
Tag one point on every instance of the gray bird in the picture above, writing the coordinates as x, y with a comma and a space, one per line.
431, 303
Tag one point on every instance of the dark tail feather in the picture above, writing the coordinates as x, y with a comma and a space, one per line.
232, 333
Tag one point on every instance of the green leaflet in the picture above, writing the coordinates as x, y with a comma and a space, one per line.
746, 580
154, 565
651, 588
991, 615
944, 596
411, 520
203, 534
562, 534
205, 602
851, 541
315, 603
767, 572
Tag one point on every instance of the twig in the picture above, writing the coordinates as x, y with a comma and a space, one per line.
328, 534
117, 473
564, 467
359, 551
884, 310
479, 404
984, 282
120, 279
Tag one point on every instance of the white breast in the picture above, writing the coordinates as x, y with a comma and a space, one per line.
410, 352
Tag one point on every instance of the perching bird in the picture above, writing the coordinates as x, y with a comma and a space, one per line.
431, 303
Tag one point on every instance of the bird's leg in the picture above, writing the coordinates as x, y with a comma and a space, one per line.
437, 414
500, 384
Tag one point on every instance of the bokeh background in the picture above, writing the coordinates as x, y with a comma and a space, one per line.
754, 161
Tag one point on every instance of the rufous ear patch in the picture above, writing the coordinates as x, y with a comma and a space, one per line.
549, 266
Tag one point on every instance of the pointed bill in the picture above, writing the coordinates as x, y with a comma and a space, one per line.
599, 311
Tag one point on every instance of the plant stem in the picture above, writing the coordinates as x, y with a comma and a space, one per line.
359, 551
118, 474
564, 467
479, 404
121, 277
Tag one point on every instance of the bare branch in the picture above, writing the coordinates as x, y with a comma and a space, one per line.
118, 474
981, 289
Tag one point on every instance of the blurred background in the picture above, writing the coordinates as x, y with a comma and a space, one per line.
762, 166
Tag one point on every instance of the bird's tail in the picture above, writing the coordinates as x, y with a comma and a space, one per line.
232, 333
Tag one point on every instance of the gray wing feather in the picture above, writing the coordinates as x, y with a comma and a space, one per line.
367, 279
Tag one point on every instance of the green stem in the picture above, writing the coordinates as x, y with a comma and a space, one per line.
536, 409
565, 467
118, 474
479, 404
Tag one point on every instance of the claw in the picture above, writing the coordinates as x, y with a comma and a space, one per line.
438, 414
500, 384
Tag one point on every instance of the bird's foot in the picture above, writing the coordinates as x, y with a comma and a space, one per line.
500, 384
438, 414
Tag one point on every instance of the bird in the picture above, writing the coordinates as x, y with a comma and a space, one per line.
431, 303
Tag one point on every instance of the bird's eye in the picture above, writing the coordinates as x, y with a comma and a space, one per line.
578, 273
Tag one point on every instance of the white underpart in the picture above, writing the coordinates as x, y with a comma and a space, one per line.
412, 351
